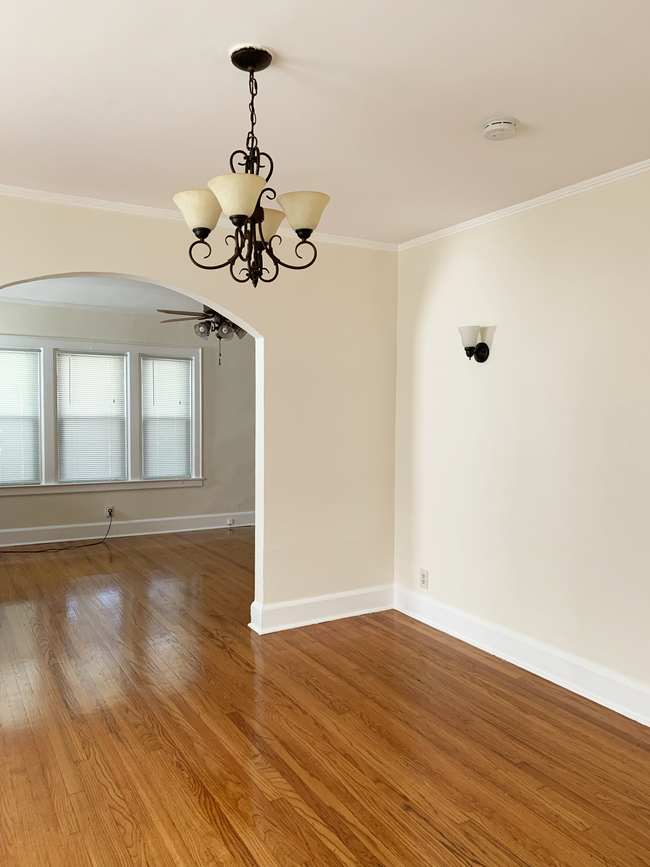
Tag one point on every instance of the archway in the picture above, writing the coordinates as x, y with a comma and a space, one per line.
259, 384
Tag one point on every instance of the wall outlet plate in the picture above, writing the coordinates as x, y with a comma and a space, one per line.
424, 579
110, 511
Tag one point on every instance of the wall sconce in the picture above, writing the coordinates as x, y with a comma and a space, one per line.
469, 334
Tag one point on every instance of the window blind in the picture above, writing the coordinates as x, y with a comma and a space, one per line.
166, 417
20, 417
91, 417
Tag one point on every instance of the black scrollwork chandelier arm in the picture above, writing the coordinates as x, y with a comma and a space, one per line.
254, 253
203, 243
304, 243
250, 248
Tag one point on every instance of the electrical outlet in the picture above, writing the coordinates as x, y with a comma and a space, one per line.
109, 511
424, 579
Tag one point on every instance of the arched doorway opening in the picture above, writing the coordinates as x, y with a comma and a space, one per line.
97, 309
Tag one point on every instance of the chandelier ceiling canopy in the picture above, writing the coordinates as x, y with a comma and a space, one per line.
238, 195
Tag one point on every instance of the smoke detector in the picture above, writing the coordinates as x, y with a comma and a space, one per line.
500, 128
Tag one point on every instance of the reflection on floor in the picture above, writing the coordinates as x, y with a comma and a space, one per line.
142, 722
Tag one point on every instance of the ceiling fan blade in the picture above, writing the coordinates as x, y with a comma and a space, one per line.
185, 313
162, 321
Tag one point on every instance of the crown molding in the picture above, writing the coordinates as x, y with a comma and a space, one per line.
540, 201
168, 214
344, 241
341, 240
84, 202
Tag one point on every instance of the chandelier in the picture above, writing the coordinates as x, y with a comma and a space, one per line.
238, 195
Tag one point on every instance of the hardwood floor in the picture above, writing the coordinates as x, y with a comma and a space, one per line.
144, 723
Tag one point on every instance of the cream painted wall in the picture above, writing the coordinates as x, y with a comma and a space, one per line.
228, 422
522, 484
325, 511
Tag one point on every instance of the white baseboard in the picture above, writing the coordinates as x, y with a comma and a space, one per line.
599, 684
317, 609
143, 527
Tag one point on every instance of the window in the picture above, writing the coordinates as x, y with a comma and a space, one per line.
166, 417
20, 417
93, 415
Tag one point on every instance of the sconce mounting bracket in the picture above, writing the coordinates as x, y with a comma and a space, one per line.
481, 352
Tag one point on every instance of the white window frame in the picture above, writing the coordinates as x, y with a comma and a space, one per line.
133, 352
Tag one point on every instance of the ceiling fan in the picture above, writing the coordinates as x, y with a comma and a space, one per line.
208, 322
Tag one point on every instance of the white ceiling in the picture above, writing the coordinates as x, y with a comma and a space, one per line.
376, 102
106, 293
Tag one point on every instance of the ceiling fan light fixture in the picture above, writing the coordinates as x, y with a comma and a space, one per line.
202, 330
225, 331
200, 208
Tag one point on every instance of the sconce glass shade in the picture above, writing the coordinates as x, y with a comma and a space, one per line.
237, 192
487, 334
271, 222
199, 207
303, 209
469, 334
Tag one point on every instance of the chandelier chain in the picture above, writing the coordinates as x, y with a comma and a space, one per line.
251, 141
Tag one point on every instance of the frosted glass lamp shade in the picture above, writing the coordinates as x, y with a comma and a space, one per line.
469, 334
303, 209
199, 207
237, 192
271, 222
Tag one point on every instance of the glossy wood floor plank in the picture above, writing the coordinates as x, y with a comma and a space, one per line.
143, 723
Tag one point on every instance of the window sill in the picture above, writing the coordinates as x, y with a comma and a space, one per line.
93, 487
